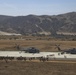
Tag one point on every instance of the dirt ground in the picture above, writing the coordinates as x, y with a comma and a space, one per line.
37, 68
42, 45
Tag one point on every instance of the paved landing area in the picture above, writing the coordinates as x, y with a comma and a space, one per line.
55, 55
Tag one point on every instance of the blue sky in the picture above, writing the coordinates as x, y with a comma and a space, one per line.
36, 7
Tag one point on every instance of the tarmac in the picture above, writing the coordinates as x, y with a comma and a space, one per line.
50, 55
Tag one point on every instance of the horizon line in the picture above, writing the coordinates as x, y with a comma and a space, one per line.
38, 14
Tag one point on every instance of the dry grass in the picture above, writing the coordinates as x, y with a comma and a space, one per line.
43, 45
37, 68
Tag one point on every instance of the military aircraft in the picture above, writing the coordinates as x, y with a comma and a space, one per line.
68, 51
27, 50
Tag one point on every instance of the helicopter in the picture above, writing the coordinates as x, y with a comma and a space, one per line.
67, 51
27, 50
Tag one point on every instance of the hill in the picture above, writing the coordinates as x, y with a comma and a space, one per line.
33, 24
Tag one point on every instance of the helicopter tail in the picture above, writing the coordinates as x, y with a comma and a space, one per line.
17, 46
57, 46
